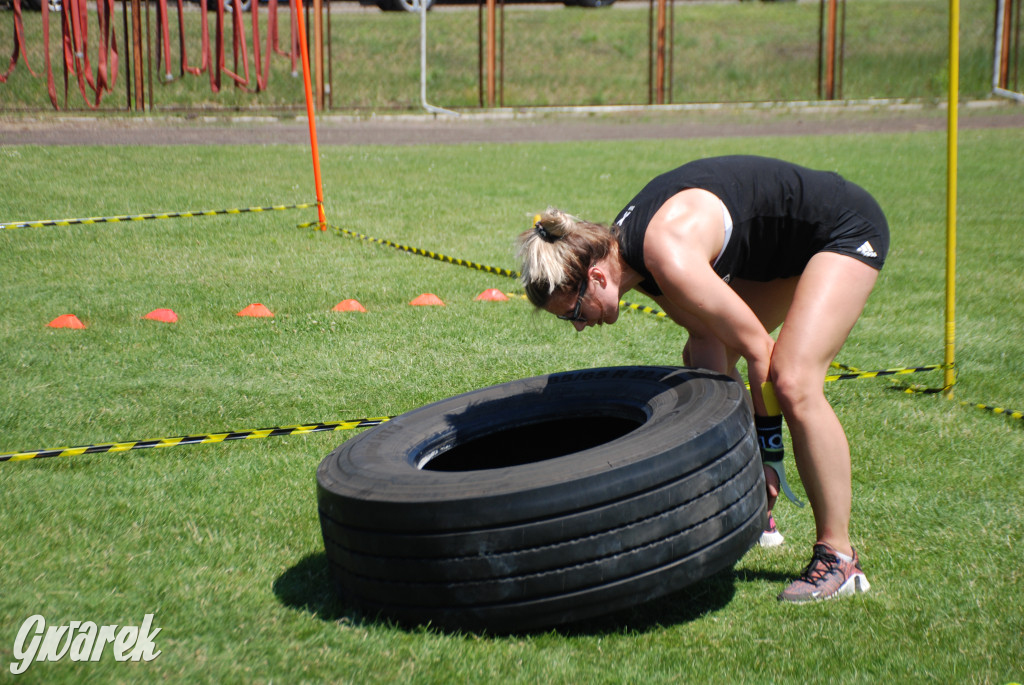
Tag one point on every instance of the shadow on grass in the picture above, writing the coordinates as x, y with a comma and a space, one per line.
308, 587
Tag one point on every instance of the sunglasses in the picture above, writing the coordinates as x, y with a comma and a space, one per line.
575, 316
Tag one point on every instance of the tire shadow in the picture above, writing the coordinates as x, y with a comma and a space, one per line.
683, 606
307, 586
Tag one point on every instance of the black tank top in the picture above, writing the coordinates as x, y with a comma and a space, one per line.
782, 214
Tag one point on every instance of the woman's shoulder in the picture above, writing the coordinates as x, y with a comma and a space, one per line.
689, 223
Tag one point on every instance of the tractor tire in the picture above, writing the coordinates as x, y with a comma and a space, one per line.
546, 500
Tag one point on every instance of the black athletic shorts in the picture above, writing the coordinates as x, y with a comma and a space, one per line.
861, 230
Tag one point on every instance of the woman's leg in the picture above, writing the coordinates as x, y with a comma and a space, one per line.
829, 298
769, 301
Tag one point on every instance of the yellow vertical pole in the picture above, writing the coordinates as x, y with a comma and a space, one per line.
951, 155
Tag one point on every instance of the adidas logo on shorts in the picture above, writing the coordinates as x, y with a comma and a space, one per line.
867, 250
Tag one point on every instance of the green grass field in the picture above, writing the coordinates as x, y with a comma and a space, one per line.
721, 52
222, 542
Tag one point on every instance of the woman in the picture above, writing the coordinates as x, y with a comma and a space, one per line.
730, 247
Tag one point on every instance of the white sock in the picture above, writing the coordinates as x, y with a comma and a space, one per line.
844, 557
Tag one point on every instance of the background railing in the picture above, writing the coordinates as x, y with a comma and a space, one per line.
160, 55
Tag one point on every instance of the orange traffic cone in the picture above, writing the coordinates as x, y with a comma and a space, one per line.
348, 306
162, 315
492, 295
426, 300
256, 309
66, 321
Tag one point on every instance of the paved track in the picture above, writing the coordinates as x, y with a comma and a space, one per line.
499, 128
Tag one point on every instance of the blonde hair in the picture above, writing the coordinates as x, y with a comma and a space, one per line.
557, 252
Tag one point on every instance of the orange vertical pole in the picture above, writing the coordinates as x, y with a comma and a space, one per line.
310, 114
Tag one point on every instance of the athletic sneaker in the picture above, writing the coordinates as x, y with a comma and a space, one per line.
771, 537
827, 576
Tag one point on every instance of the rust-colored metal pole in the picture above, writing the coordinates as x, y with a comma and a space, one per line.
491, 49
127, 61
140, 98
650, 52
1004, 45
330, 72
830, 53
1016, 41
480, 52
821, 47
149, 58
181, 43
842, 52
671, 47
501, 57
660, 68
318, 50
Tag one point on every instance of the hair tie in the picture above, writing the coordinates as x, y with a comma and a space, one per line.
541, 231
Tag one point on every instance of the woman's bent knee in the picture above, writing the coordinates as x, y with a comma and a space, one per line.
795, 391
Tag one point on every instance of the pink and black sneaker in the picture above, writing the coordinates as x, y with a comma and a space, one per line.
826, 577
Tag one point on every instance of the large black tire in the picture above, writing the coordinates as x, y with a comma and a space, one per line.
545, 500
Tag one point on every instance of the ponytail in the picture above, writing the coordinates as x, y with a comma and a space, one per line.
557, 252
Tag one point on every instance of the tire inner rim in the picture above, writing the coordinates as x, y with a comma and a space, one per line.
527, 442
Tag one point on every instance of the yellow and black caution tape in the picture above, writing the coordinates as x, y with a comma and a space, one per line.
917, 389
423, 253
643, 309
992, 409
995, 410
147, 217
925, 390
852, 375
195, 439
